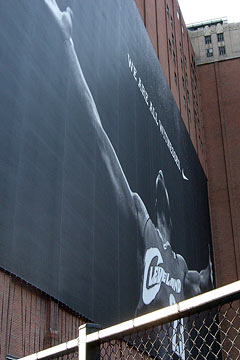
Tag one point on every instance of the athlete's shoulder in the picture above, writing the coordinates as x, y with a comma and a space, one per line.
139, 204
182, 262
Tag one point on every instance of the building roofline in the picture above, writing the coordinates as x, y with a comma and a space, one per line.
197, 25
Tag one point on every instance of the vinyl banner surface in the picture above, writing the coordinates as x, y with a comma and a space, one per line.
103, 200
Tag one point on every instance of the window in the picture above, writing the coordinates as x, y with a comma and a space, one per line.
182, 30
167, 10
222, 50
170, 46
180, 46
184, 100
208, 39
194, 98
189, 115
209, 52
174, 57
178, 16
173, 40
198, 122
183, 82
200, 140
182, 63
193, 62
171, 20
175, 77
220, 37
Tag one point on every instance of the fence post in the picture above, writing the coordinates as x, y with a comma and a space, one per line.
82, 351
93, 349
90, 351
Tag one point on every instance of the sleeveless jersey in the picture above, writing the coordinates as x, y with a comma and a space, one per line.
163, 272
163, 275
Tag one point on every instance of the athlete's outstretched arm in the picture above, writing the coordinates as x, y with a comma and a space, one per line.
120, 186
196, 282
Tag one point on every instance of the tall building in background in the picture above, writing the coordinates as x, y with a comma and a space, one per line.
215, 40
202, 67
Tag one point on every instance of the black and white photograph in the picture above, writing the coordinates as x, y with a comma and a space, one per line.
103, 199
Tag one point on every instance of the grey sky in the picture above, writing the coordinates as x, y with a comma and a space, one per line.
200, 10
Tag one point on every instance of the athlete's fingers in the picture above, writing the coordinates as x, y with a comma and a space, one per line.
69, 10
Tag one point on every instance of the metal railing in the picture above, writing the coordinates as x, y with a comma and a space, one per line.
204, 327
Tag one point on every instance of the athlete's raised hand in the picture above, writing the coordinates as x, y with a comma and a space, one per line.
62, 18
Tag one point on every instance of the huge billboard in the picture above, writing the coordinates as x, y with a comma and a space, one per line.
103, 200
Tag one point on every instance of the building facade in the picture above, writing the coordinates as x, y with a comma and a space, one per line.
215, 41
219, 76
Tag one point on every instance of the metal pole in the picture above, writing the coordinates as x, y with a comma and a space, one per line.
82, 336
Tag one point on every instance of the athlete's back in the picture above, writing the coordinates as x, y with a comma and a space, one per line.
163, 272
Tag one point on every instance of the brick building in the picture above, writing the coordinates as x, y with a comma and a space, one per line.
207, 96
219, 76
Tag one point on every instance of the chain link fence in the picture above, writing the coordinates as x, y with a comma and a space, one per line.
209, 334
68, 355
204, 327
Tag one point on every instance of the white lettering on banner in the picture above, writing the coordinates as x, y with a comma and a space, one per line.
143, 91
154, 114
132, 68
155, 275
151, 289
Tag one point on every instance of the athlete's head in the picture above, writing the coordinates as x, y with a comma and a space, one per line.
163, 212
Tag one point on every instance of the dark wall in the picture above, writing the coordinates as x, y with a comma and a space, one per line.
66, 227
